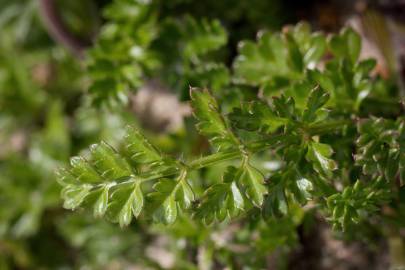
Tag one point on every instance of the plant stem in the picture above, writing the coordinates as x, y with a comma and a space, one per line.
236, 153
253, 147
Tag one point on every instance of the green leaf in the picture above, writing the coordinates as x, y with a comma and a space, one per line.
82, 170
256, 116
316, 50
169, 195
211, 123
320, 154
316, 99
305, 187
202, 36
353, 44
100, 207
185, 194
125, 215
164, 198
139, 149
222, 199
214, 203
238, 202
346, 44
284, 107
275, 204
337, 45
252, 181
364, 67
235, 202
121, 202
64, 177
338, 211
137, 200
323, 80
256, 64
126, 202
74, 195
108, 163
295, 58
170, 210
144, 155
278, 59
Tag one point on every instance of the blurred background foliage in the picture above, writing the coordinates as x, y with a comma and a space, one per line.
58, 59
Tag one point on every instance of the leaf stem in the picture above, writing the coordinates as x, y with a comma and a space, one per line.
236, 153
253, 147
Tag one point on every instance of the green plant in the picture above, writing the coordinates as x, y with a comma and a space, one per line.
289, 134
310, 127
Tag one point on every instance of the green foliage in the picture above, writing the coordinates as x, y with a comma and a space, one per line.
117, 183
346, 45
123, 59
288, 62
278, 58
222, 199
201, 37
295, 128
356, 203
211, 123
380, 148
106, 182
311, 112
117, 60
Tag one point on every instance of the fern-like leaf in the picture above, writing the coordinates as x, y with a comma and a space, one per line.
211, 123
